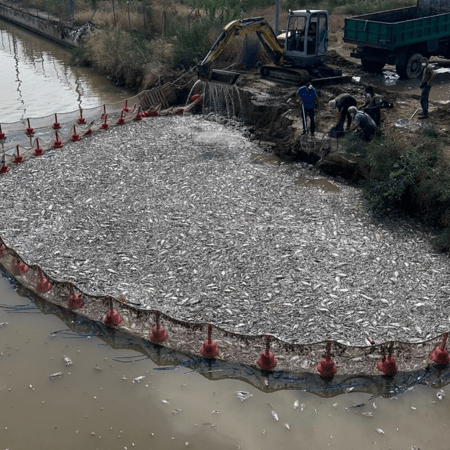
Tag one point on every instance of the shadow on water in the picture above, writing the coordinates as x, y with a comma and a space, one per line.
214, 370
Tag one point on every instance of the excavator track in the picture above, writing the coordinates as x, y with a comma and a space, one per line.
285, 75
298, 77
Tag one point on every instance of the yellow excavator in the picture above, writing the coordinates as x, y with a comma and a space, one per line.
297, 54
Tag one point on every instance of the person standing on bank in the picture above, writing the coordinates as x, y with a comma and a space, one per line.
308, 98
427, 77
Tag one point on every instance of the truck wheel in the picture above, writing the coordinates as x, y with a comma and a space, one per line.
372, 66
413, 67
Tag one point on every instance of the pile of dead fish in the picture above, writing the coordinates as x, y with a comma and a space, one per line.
183, 215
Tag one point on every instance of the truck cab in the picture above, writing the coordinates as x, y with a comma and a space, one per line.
305, 41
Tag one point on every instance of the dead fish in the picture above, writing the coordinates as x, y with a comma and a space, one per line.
357, 405
274, 415
67, 361
56, 375
138, 379
243, 395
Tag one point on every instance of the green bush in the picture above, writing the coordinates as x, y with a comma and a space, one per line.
412, 177
192, 45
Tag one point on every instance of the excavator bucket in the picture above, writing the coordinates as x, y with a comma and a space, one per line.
222, 76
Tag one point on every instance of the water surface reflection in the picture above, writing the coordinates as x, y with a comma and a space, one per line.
38, 78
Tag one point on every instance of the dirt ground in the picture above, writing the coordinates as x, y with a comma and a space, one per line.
274, 114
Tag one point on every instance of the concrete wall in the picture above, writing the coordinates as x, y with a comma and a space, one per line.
52, 29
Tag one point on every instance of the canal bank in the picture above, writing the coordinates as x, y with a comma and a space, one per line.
44, 24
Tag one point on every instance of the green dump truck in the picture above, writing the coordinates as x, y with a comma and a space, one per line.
401, 37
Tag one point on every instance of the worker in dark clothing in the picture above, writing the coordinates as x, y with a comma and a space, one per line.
372, 106
342, 103
364, 123
308, 98
427, 77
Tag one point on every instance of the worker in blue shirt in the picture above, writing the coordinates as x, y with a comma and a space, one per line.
308, 97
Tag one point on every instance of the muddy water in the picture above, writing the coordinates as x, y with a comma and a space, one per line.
390, 80
38, 79
95, 404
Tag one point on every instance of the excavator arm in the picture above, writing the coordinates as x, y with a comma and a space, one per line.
239, 27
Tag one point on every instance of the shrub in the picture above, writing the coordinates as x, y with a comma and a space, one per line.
410, 176
192, 45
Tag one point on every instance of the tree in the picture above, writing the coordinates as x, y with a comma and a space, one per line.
222, 10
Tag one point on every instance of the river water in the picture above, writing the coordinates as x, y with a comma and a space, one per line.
120, 393
38, 79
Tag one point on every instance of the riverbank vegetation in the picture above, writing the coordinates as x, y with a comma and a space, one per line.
410, 175
137, 42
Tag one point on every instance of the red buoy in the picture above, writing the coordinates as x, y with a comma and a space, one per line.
57, 143
42, 285
179, 111
112, 318
2, 135
75, 137
104, 125
103, 113
440, 354
19, 268
38, 150
18, 158
56, 125
4, 167
81, 120
388, 365
267, 359
88, 132
152, 113
138, 114
125, 108
121, 120
326, 367
75, 301
29, 130
158, 334
209, 349
196, 98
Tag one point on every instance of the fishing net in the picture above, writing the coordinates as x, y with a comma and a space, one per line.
192, 338
21, 138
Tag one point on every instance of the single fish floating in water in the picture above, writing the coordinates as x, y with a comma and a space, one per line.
56, 375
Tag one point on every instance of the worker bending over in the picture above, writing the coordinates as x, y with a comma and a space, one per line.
308, 98
363, 122
342, 103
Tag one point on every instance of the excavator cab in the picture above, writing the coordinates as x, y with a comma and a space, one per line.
305, 41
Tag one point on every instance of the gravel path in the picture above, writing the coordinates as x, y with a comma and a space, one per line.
185, 216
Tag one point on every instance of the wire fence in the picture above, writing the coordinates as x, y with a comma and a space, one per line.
134, 15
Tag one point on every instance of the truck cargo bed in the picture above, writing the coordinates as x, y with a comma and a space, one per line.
398, 27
